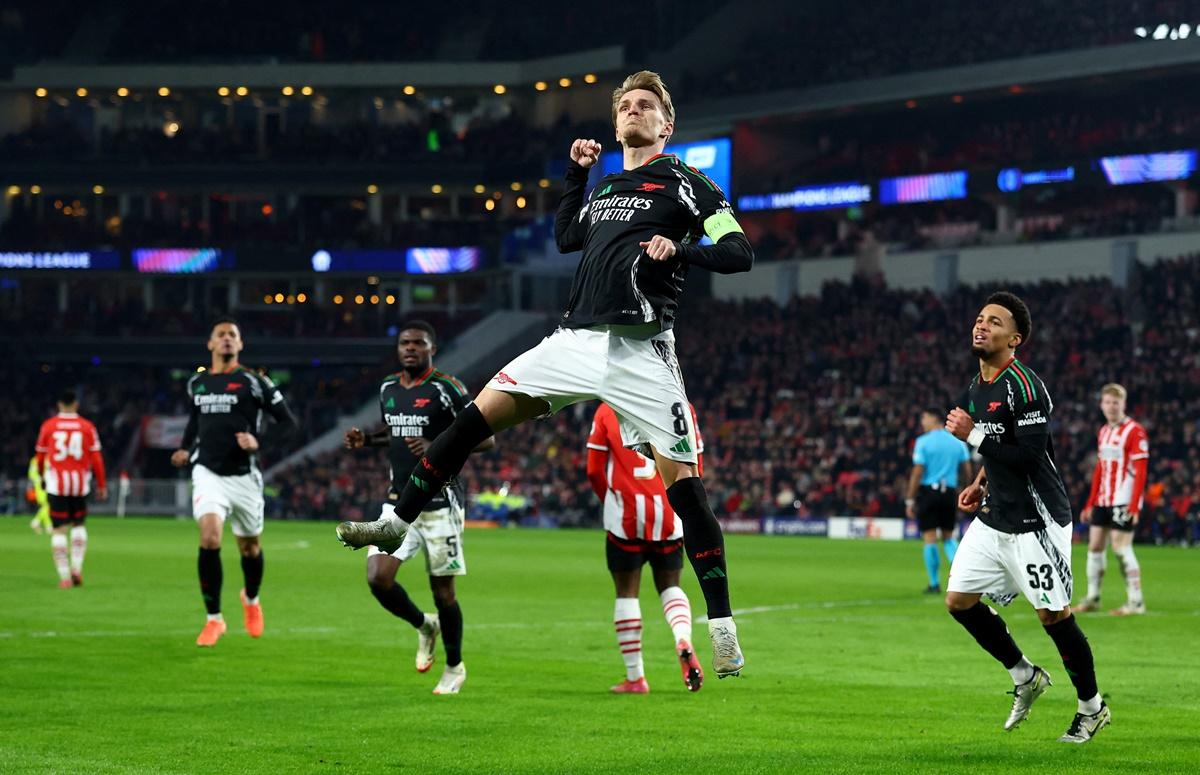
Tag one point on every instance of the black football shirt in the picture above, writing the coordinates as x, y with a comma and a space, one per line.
1025, 492
224, 404
615, 282
421, 411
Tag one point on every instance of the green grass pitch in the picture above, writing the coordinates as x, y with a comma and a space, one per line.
850, 668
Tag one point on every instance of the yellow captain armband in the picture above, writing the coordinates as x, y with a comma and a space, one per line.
718, 225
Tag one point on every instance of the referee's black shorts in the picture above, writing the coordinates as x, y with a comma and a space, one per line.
936, 508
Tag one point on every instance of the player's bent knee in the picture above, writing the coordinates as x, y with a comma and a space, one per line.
956, 601
1048, 617
380, 582
503, 410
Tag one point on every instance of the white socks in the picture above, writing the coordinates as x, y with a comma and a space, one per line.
1096, 562
1090, 707
78, 547
1022, 671
58, 547
627, 618
1133, 575
678, 610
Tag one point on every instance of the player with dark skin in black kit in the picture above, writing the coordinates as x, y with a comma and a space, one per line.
417, 403
1020, 541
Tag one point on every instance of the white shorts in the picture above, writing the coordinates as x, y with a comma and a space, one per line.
238, 499
439, 533
1005, 565
638, 378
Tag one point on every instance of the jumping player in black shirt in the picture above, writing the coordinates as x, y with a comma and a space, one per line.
221, 443
639, 233
1020, 540
416, 404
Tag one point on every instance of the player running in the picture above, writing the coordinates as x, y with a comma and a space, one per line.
36, 495
1115, 502
638, 232
640, 527
221, 442
417, 404
1020, 540
68, 457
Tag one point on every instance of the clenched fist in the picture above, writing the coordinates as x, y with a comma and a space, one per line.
585, 153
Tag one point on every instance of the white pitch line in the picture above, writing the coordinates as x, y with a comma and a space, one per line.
821, 605
481, 626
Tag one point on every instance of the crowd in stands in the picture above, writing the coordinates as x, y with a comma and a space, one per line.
64, 221
489, 132
1036, 216
811, 409
385, 32
1047, 128
807, 409
801, 45
124, 315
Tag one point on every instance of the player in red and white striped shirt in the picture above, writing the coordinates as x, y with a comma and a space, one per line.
640, 527
1115, 502
68, 457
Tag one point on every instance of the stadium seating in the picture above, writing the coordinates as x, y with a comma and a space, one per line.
804, 415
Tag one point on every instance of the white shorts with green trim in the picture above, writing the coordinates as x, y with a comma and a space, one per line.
639, 378
439, 533
238, 499
1005, 565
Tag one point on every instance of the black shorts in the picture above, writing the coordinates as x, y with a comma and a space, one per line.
67, 509
1116, 517
936, 509
626, 554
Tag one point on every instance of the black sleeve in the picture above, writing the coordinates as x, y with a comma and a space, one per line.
275, 406
193, 423
459, 399
730, 255
730, 252
570, 222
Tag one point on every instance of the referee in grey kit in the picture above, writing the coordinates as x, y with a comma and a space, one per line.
938, 458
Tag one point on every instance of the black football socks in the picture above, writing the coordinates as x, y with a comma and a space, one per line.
986, 626
703, 542
445, 457
209, 565
1076, 655
252, 571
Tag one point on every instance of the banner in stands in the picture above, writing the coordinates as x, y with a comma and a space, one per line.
936, 187
412, 261
739, 525
182, 260
1149, 167
826, 197
85, 259
786, 526
866, 527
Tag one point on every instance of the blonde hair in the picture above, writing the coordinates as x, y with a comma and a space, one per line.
1113, 389
650, 81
